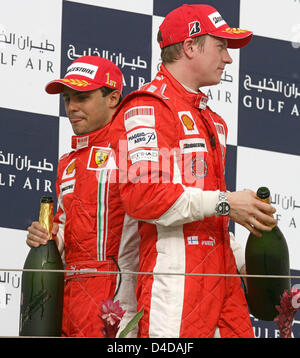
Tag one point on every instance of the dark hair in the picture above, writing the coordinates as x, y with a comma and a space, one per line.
107, 90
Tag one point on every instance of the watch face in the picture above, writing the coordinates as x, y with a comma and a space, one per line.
223, 208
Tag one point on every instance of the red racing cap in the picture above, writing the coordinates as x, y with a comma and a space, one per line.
88, 73
189, 21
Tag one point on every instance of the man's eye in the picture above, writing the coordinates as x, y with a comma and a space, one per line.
82, 97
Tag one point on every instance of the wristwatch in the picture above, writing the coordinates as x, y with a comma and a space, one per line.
222, 207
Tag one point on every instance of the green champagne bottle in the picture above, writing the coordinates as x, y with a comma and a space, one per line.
42, 292
266, 255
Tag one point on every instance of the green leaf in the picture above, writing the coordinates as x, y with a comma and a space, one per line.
132, 324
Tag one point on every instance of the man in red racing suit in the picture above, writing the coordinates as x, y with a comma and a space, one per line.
170, 149
90, 221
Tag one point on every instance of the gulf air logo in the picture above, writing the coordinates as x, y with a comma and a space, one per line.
194, 28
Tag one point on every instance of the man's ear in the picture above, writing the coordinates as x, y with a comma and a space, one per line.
189, 47
113, 99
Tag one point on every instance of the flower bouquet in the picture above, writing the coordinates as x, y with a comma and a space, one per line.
289, 305
111, 315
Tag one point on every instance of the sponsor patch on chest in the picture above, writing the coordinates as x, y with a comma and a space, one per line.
199, 168
139, 116
142, 137
100, 158
70, 170
188, 123
67, 187
148, 155
192, 145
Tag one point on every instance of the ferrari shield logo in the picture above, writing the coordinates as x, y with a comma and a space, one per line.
98, 158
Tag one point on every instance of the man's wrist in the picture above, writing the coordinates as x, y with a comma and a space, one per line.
222, 206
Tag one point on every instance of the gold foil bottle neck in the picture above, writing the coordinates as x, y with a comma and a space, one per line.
267, 200
46, 215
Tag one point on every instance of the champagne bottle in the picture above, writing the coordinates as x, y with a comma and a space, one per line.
266, 255
42, 292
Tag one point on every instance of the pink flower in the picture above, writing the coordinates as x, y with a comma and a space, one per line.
289, 305
111, 315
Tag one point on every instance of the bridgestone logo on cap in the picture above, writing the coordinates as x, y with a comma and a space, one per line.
216, 19
194, 28
82, 69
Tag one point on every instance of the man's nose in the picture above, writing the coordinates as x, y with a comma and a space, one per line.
227, 57
72, 105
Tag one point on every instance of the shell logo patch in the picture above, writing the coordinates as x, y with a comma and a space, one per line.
98, 158
188, 122
70, 168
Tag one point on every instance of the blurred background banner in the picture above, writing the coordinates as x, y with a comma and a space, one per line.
259, 98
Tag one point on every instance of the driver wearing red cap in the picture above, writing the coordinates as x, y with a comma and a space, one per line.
174, 184
89, 222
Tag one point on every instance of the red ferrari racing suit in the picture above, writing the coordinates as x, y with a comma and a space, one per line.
170, 149
91, 224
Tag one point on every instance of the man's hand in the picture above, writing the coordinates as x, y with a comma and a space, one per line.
249, 211
37, 235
